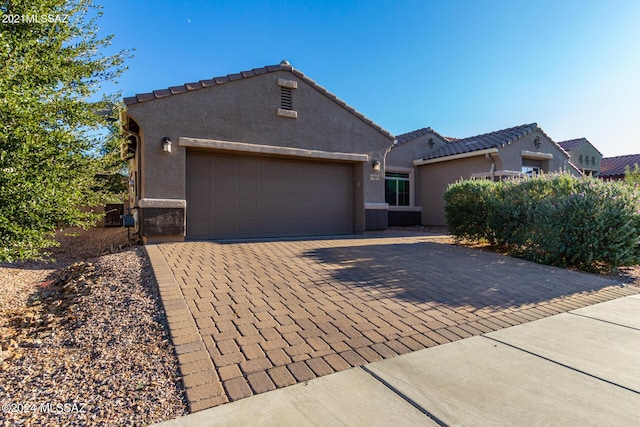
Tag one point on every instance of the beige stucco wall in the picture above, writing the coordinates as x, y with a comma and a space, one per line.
245, 111
586, 150
511, 155
436, 177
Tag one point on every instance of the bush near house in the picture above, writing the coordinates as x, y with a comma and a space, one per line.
553, 219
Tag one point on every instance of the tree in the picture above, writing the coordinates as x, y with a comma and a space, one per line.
50, 154
632, 176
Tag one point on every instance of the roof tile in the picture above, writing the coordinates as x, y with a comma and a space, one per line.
145, 97
161, 93
177, 89
410, 136
615, 166
572, 144
497, 139
130, 100
208, 82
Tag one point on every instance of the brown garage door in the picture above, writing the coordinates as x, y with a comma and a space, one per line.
234, 196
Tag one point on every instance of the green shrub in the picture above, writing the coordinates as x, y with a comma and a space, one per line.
466, 205
560, 220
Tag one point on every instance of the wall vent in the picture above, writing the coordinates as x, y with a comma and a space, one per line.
285, 98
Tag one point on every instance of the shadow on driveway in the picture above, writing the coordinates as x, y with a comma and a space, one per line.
453, 275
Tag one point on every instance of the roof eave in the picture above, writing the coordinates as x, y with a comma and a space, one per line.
421, 162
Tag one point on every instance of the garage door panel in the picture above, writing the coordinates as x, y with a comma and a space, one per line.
200, 207
247, 197
219, 165
198, 163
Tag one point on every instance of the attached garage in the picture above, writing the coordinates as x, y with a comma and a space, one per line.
241, 196
258, 154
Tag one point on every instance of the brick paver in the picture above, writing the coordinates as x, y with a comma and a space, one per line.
246, 318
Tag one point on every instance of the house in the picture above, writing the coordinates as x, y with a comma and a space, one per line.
422, 164
613, 168
261, 153
583, 154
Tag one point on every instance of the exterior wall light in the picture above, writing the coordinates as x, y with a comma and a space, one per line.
536, 142
166, 144
376, 165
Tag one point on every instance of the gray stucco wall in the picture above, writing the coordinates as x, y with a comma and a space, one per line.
245, 111
403, 155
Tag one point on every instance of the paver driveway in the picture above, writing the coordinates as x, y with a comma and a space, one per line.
251, 317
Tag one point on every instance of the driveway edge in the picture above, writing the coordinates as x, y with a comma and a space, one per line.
201, 382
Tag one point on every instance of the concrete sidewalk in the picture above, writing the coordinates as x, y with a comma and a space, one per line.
576, 368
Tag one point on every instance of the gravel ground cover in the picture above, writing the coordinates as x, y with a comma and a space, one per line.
83, 340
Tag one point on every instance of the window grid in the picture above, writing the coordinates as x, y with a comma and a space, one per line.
397, 189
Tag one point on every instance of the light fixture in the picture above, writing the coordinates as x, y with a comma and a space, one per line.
376, 165
166, 144
431, 143
536, 142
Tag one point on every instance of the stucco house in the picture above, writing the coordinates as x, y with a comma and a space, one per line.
613, 168
583, 154
422, 163
261, 153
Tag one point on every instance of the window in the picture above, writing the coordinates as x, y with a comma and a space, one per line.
531, 170
396, 189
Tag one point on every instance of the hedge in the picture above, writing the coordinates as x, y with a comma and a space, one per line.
557, 219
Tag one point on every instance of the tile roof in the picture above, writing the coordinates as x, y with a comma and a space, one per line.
283, 66
615, 166
410, 136
497, 139
572, 144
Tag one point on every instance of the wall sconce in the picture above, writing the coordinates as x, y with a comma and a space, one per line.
536, 142
376, 165
166, 144
431, 143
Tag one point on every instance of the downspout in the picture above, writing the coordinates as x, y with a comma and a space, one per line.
492, 169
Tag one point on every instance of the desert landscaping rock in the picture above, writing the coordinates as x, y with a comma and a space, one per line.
86, 344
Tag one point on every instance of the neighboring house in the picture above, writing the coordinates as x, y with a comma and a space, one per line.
262, 153
423, 163
613, 168
583, 154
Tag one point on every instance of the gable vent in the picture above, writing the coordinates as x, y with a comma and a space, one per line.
285, 98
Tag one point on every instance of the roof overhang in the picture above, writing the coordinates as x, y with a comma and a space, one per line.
536, 155
420, 162
244, 147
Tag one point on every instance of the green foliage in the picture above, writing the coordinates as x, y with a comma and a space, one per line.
632, 176
466, 208
560, 220
49, 152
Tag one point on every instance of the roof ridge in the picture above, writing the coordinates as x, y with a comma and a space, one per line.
415, 134
282, 66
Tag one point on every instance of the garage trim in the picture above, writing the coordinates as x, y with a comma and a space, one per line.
269, 149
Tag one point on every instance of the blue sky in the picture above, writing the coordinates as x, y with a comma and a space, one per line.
462, 67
